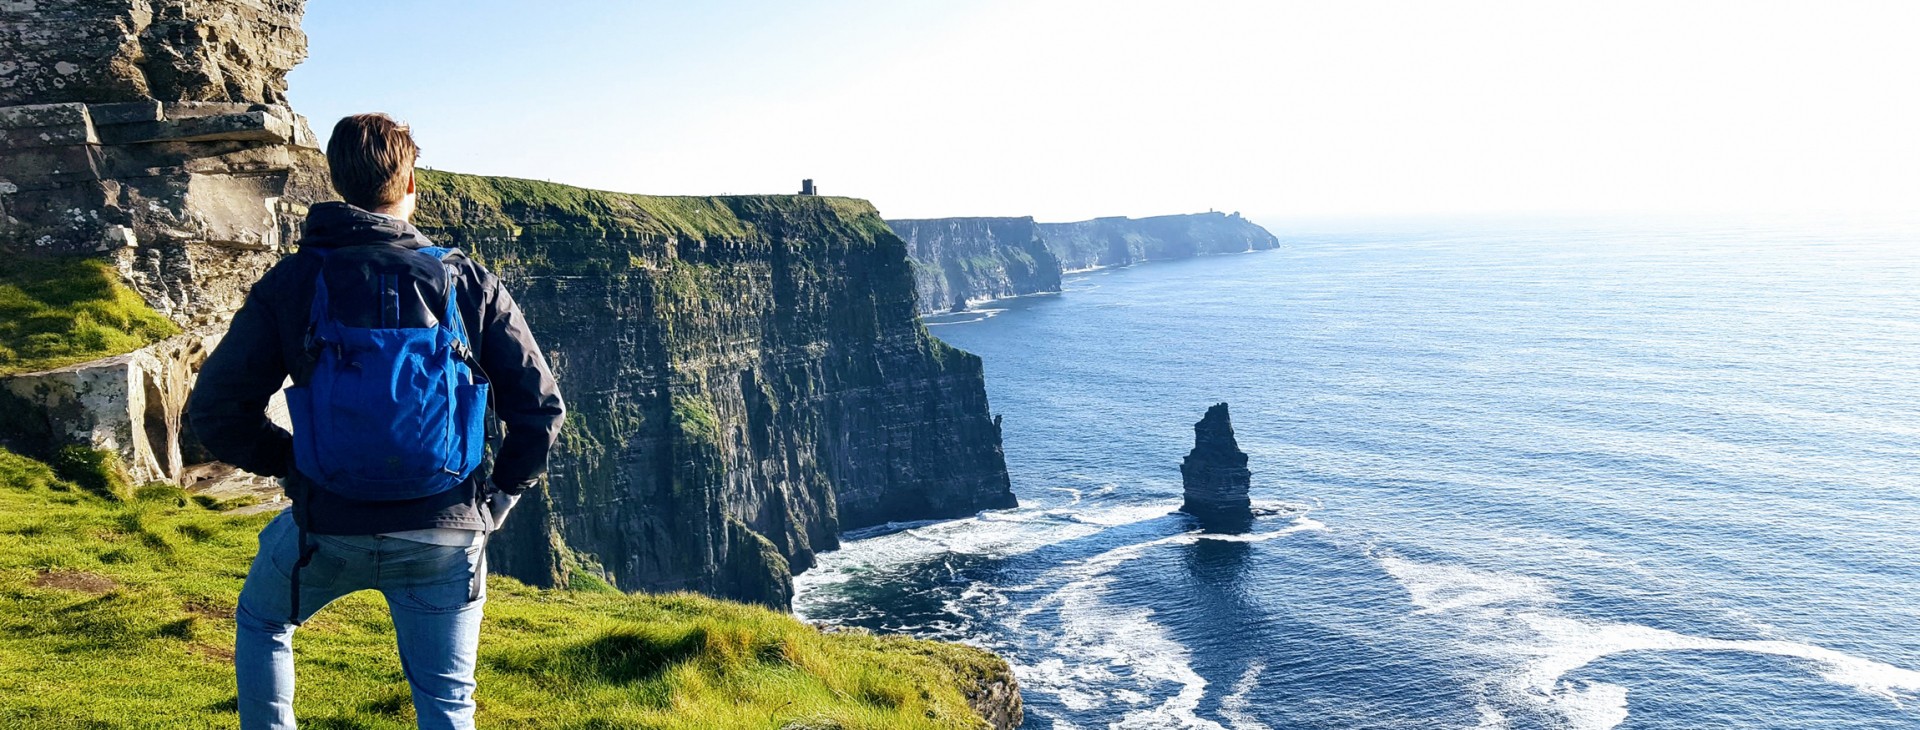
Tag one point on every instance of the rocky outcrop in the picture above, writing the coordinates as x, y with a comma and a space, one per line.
103, 51
155, 136
1105, 242
1215, 475
997, 700
958, 262
129, 404
745, 377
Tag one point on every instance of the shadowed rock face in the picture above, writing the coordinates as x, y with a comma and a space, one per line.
959, 262
1216, 477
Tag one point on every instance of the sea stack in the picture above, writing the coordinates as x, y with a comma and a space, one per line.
1216, 476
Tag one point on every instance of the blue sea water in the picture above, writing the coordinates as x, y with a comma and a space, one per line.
1532, 474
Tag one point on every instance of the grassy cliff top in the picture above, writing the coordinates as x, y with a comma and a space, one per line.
119, 614
450, 199
56, 312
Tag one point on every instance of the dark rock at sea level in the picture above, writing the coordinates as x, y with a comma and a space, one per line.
1216, 476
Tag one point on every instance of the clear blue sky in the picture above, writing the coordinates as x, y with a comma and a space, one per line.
1069, 109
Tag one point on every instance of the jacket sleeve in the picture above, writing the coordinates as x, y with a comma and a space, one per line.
228, 408
526, 398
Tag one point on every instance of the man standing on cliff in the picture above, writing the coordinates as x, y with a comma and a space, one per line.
392, 345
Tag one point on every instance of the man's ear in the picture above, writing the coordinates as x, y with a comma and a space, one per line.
409, 182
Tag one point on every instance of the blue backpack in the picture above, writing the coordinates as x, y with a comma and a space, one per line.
395, 406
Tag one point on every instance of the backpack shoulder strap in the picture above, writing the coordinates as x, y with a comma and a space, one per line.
450, 318
317, 313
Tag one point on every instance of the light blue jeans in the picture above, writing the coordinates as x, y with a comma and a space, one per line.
427, 589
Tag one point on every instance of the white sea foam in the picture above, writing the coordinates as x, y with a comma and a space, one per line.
966, 317
1513, 620
1121, 656
1235, 707
1101, 632
1590, 705
1438, 588
1576, 643
1491, 718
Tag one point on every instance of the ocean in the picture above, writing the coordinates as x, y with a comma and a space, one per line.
1530, 474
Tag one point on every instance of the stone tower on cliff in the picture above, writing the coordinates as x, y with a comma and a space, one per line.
1216, 476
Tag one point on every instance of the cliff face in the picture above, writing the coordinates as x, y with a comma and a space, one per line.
1122, 241
958, 262
963, 261
746, 377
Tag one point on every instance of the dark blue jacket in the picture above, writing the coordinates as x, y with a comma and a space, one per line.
266, 344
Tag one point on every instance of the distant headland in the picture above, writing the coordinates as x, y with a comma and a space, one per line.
960, 262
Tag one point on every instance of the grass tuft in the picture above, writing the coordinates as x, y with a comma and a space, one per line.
95, 470
56, 312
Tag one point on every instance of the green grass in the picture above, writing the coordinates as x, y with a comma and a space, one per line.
450, 199
119, 614
56, 312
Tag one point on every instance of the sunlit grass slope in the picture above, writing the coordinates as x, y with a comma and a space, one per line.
56, 312
119, 614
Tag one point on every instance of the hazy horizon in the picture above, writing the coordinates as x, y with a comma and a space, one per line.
1073, 110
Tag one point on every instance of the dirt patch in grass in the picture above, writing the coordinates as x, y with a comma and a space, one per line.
76, 580
206, 609
219, 654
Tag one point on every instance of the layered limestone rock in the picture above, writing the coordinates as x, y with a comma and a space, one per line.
959, 262
745, 377
1121, 241
1215, 475
156, 136
101, 51
192, 201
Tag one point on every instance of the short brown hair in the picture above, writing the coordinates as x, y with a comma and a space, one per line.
370, 156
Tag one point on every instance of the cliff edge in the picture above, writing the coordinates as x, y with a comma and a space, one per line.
746, 377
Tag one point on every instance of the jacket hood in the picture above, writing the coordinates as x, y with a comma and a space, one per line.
334, 224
